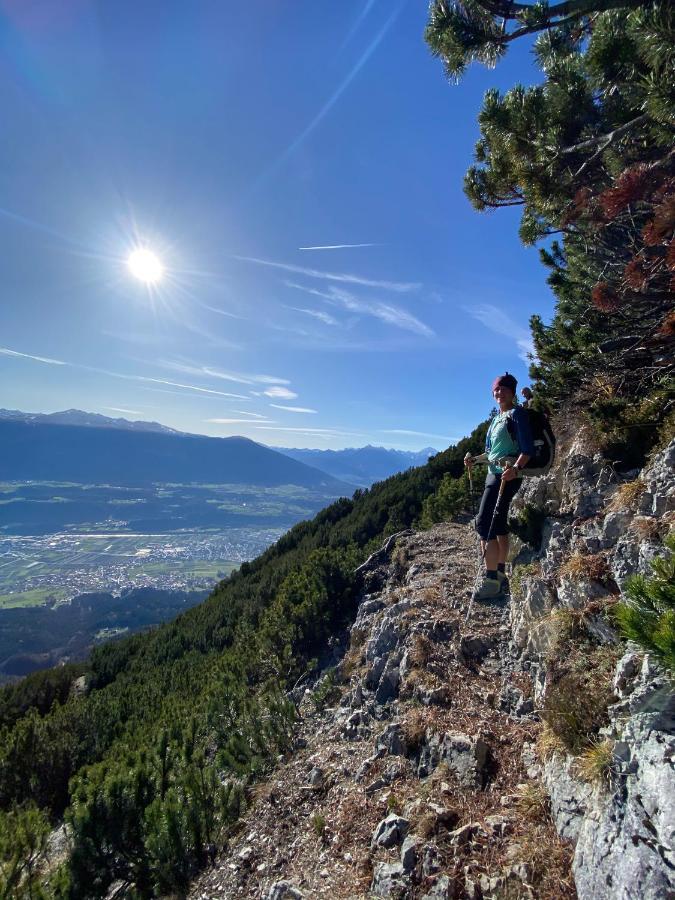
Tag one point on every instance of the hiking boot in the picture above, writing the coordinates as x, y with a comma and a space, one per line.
489, 589
504, 586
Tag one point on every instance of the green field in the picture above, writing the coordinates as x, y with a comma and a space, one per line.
35, 597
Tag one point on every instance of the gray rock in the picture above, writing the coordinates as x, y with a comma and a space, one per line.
389, 682
465, 757
390, 831
350, 729
409, 853
439, 696
388, 632
476, 646
570, 798
392, 740
442, 889
376, 786
374, 672
368, 608
578, 592
431, 861
316, 777
246, 854
463, 835
627, 671
389, 880
615, 526
627, 839
283, 890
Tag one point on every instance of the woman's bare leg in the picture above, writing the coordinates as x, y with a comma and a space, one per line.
503, 542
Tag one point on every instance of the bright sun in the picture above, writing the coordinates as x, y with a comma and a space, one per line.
145, 265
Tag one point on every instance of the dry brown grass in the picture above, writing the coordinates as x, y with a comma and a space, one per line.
420, 651
532, 801
646, 527
593, 566
549, 862
414, 729
548, 743
596, 764
352, 661
626, 496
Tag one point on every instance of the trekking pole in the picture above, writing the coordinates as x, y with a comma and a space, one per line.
473, 497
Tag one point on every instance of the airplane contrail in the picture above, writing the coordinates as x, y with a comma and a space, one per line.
337, 246
304, 134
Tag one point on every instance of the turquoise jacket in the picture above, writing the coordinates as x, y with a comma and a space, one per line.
503, 441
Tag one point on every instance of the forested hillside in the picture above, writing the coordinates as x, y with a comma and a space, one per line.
149, 761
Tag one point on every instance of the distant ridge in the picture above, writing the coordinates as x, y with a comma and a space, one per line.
90, 420
362, 466
36, 451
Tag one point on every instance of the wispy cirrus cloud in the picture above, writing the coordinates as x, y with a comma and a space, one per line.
338, 246
234, 421
325, 432
119, 409
211, 372
280, 393
294, 409
145, 379
5, 351
243, 412
497, 320
386, 312
316, 314
407, 431
343, 277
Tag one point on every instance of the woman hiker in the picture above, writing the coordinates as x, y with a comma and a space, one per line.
508, 447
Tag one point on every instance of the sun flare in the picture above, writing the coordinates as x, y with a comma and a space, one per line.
145, 265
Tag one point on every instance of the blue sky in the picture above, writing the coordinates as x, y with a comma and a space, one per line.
225, 137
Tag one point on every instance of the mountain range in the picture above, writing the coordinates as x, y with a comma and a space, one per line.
80, 446
361, 466
35, 451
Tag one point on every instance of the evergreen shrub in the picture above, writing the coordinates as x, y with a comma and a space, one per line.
647, 616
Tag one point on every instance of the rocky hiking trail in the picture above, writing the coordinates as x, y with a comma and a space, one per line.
415, 774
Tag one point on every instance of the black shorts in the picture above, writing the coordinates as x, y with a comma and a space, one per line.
488, 503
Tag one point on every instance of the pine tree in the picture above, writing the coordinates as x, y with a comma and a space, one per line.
588, 157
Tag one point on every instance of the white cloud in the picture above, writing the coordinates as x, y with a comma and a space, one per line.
316, 314
119, 409
385, 312
338, 246
295, 409
280, 393
234, 421
140, 378
398, 286
43, 359
497, 320
316, 431
237, 377
430, 434
222, 312
243, 412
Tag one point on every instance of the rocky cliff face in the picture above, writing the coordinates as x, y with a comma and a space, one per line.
599, 530
423, 767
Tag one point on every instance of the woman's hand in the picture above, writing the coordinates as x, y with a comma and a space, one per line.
468, 461
509, 473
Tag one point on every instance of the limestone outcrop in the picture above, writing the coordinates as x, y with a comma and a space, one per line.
428, 770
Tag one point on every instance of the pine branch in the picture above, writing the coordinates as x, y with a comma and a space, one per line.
605, 139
